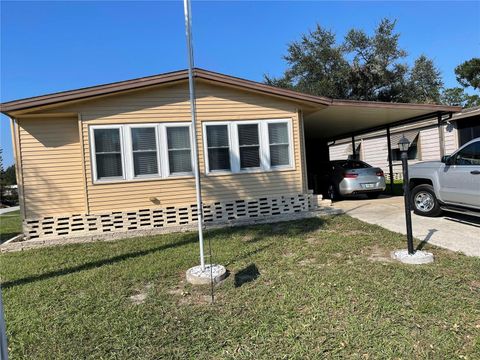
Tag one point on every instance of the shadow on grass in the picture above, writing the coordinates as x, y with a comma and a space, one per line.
7, 236
248, 274
425, 241
95, 264
291, 228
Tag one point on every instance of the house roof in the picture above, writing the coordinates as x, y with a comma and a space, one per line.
466, 113
324, 117
138, 83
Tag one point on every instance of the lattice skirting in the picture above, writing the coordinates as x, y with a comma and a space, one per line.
170, 216
396, 176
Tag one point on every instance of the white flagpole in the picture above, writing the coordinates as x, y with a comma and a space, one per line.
3, 332
191, 85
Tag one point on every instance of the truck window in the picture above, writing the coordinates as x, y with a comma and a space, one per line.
469, 155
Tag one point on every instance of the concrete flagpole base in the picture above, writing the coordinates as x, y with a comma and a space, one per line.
197, 276
418, 258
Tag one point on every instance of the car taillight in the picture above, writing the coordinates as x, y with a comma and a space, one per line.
380, 173
350, 175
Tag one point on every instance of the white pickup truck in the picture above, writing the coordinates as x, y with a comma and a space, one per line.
452, 184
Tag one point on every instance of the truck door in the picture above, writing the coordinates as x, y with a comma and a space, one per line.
460, 178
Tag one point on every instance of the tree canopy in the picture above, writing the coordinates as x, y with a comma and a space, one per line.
362, 67
468, 73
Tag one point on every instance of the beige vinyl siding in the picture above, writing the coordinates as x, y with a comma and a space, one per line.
51, 166
171, 104
451, 138
429, 144
375, 152
339, 152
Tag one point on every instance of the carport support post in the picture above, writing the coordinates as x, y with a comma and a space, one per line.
406, 196
441, 136
390, 165
354, 154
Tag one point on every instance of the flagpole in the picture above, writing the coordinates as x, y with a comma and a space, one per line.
196, 168
3, 332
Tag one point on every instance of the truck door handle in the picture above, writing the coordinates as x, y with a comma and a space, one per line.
475, 172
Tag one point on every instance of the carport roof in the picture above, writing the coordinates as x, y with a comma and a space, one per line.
344, 118
325, 118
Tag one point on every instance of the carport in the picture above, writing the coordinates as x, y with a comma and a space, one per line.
348, 119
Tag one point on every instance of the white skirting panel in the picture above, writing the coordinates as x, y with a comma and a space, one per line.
163, 217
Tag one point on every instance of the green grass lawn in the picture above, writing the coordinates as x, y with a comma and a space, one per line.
10, 225
397, 187
316, 288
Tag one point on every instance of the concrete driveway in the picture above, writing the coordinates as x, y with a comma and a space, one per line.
451, 231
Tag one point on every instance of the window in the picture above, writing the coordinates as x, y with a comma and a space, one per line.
468, 129
469, 155
179, 153
128, 152
249, 145
144, 149
279, 144
238, 146
218, 147
108, 153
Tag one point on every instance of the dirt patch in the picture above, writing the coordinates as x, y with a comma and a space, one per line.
475, 285
140, 295
378, 254
355, 232
248, 238
314, 240
306, 262
197, 296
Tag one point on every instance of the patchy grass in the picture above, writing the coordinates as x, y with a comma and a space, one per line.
306, 289
397, 188
10, 225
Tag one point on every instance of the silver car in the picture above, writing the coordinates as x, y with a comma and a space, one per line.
352, 177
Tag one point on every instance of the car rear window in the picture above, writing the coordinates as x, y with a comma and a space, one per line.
350, 164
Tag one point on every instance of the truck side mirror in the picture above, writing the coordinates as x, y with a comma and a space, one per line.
447, 159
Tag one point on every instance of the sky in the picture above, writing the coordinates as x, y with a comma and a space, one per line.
54, 46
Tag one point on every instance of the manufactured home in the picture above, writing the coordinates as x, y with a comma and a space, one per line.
117, 158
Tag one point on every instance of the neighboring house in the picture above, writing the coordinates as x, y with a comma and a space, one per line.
424, 136
118, 157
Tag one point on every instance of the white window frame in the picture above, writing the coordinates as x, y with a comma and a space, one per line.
290, 144
93, 153
166, 160
205, 147
126, 148
234, 146
129, 153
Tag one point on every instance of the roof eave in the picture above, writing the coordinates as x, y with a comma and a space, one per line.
139, 83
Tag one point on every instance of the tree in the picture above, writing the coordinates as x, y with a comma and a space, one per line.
458, 97
317, 66
376, 73
363, 67
468, 73
424, 82
453, 96
2, 177
10, 176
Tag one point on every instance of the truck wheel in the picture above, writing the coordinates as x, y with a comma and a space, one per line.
424, 202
